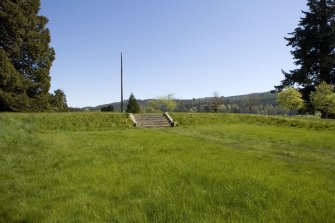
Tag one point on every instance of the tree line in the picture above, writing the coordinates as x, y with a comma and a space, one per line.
289, 101
258, 103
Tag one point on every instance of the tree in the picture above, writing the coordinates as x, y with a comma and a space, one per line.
228, 108
269, 109
250, 102
215, 102
109, 108
235, 108
24, 42
13, 95
222, 108
313, 43
132, 106
323, 99
290, 99
165, 103
58, 101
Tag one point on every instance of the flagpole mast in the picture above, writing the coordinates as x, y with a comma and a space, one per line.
121, 84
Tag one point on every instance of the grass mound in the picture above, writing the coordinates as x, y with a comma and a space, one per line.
72, 121
188, 119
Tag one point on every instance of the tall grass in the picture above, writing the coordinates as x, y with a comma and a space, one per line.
94, 167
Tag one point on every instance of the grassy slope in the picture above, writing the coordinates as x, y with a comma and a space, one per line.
94, 167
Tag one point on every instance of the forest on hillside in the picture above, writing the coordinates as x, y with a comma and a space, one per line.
256, 103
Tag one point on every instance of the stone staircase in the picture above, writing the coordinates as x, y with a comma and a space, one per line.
152, 120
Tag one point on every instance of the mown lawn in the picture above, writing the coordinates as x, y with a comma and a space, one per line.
94, 167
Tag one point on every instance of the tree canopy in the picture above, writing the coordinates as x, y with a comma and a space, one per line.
323, 99
313, 43
13, 95
58, 101
290, 99
165, 103
26, 57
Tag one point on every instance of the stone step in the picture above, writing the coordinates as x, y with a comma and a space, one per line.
152, 120
153, 114
143, 124
154, 125
149, 117
147, 120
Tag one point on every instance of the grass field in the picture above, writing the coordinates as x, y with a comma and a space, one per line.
95, 167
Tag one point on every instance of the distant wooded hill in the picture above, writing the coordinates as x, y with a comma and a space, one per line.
255, 103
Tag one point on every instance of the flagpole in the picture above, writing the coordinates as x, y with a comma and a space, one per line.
121, 84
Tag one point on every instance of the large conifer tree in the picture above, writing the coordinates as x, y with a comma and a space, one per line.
132, 106
24, 46
313, 43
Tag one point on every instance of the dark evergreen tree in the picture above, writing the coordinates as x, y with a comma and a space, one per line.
58, 101
24, 42
132, 106
313, 43
13, 95
108, 108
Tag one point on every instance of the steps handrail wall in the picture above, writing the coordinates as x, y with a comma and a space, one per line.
133, 119
166, 114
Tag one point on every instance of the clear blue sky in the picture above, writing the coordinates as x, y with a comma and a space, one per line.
191, 48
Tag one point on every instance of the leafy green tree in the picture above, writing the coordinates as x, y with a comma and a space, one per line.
58, 101
313, 48
166, 103
235, 108
290, 99
132, 106
25, 40
222, 108
228, 108
323, 99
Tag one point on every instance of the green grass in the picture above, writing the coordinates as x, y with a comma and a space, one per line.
95, 167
